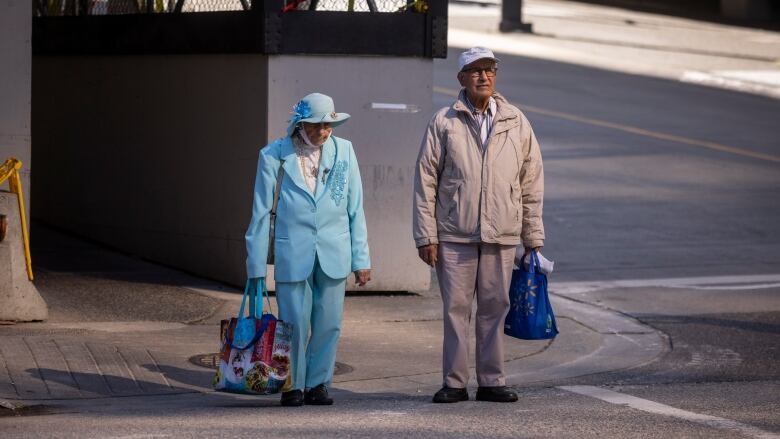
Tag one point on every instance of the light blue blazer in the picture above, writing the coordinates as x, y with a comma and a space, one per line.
329, 224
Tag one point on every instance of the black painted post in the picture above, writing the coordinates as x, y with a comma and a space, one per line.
512, 17
436, 29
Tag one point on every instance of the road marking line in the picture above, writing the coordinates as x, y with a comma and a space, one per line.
746, 81
736, 287
748, 282
138, 436
634, 130
666, 410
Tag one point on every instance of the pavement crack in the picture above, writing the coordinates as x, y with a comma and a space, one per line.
67, 365
8, 374
37, 366
128, 368
157, 367
97, 367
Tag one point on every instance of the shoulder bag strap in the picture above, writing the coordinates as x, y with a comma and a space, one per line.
272, 226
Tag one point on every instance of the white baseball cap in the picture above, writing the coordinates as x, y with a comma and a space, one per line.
474, 54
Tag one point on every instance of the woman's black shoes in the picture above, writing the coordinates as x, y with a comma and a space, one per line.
496, 394
318, 396
293, 398
451, 394
315, 396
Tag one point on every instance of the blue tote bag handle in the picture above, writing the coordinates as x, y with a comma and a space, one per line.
254, 303
256, 308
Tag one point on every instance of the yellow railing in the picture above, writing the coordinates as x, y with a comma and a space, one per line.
10, 171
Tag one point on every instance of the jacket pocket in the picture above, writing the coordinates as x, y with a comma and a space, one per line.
448, 198
508, 218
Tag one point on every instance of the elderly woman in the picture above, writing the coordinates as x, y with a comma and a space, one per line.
319, 238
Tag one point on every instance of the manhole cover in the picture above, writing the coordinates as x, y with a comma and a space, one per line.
205, 360
342, 368
210, 361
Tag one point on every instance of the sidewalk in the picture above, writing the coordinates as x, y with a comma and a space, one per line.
717, 55
123, 327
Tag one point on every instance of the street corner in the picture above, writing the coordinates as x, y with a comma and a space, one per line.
592, 339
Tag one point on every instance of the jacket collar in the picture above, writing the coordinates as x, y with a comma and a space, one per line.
327, 160
293, 169
505, 118
291, 166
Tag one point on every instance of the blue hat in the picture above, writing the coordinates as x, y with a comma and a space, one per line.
315, 108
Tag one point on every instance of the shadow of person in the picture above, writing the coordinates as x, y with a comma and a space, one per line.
66, 384
195, 378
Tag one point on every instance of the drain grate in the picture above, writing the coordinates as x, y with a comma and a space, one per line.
211, 361
342, 369
205, 360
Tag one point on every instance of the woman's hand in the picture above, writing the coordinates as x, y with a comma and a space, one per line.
362, 277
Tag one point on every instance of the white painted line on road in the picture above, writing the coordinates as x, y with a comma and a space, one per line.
136, 436
634, 130
766, 82
747, 282
646, 405
736, 287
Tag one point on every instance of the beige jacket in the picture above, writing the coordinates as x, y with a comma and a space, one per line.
459, 196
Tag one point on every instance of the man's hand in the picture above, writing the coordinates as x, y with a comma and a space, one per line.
529, 250
362, 277
429, 254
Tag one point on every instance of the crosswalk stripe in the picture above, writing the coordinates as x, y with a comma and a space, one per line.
646, 405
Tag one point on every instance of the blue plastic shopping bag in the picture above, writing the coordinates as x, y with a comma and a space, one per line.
530, 314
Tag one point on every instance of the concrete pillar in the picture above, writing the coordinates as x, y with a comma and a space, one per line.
386, 140
15, 72
19, 299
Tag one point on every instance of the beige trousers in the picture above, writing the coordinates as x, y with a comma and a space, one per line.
463, 271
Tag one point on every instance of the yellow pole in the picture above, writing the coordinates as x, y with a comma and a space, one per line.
10, 170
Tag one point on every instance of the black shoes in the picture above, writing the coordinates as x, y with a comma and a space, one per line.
451, 394
318, 395
315, 396
492, 394
293, 398
496, 394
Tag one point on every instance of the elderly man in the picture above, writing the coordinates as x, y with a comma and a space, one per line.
478, 199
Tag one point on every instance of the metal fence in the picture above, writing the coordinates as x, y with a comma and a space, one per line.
114, 7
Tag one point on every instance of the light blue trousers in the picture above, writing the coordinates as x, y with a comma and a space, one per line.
315, 307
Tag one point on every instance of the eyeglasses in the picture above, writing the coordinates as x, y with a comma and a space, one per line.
476, 72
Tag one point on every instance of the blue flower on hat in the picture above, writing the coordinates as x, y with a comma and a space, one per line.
300, 111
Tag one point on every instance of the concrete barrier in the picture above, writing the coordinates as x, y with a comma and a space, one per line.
19, 299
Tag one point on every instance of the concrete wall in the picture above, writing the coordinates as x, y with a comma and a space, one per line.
386, 143
151, 154
156, 154
15, 64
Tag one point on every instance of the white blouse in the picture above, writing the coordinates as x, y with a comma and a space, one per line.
309, 162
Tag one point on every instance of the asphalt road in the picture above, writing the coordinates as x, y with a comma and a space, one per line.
631, 204
625, 200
